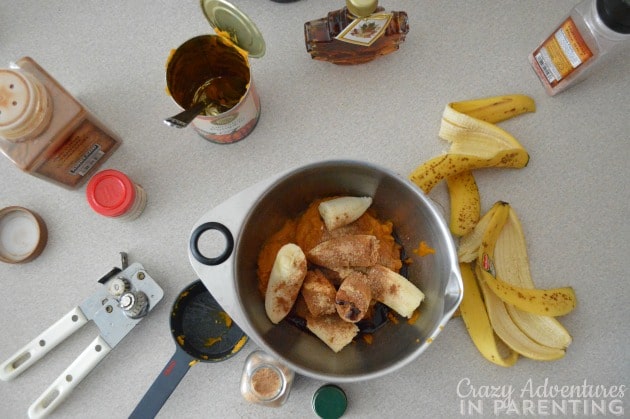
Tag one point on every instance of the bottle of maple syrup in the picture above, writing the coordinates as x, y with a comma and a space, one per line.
355, 34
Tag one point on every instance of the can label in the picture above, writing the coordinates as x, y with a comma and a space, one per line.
562, 53
233, 125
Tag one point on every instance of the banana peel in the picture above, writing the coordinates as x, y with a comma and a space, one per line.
465, 202
546, 302
475, 316
512, 264
475, 143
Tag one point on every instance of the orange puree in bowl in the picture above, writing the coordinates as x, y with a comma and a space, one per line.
308, 230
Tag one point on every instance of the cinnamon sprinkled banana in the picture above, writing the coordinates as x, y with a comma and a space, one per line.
341, 211
394, 290
285, 281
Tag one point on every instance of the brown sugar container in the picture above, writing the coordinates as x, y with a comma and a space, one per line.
215, 69
47, 132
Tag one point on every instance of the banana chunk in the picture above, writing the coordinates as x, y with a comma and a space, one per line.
333, 331
285, 281
353, 297
341, 211
358, 250
394, 290
319, 293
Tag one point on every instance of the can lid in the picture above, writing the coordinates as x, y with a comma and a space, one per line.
361, 8
23, 235
227, 18
615, 14
330, 402
111, 193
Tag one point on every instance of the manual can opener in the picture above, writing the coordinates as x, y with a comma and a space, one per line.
124, 298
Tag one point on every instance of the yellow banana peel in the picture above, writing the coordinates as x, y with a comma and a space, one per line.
496, 108
546, 302
509, 332
465, 202
473, 312
474, 142
512, 264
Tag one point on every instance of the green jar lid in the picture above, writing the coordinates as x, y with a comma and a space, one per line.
227, 18
330, 402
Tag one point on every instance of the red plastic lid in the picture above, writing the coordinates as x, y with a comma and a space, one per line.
111, 193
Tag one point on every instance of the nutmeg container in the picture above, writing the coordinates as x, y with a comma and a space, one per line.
215, 69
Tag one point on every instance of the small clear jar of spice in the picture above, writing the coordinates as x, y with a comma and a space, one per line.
113, 194
45, 131
265, 380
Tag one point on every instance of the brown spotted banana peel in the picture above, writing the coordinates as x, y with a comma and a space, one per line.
496, 108
465, 202
512, 264
546, 302
475, 316
509, 332
474, 144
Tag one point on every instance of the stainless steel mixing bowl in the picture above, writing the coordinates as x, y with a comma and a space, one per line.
249, 218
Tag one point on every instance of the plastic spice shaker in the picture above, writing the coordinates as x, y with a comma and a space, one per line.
265, 380
113, 194
592, 29
45, 131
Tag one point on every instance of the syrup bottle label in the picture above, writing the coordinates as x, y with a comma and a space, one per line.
562, 53
365, 31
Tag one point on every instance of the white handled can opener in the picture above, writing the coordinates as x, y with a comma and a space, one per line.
124, 298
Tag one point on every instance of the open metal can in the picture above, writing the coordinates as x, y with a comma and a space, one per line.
215, 69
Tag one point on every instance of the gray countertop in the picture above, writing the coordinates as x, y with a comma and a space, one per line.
572, 198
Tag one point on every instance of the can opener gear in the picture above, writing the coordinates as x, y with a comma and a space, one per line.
125, 297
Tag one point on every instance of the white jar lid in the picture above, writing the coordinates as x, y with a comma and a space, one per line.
23, 235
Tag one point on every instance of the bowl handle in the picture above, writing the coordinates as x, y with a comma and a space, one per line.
194, 243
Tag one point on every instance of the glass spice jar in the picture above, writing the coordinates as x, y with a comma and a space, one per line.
355, 34
45, 131
113, 194
265, 380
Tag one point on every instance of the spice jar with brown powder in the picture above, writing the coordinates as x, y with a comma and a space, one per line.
47, 132
265, 380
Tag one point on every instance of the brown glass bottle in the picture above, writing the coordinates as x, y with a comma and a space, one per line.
320, 35
45, 131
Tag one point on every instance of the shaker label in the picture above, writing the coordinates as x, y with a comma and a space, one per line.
365, 31
562, 53
77, 155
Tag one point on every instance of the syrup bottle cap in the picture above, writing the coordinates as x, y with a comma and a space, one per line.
361, 8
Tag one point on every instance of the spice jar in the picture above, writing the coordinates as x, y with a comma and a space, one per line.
355, 34
113, 194
45, 131
592, 29
215, 69
265, 380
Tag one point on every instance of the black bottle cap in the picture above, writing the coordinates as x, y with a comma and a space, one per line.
615, 14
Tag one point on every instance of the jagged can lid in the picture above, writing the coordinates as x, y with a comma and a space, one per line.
615, 14
227, 18
361, 8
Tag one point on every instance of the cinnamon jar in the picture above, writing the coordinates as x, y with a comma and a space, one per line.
47, 132
265, 380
